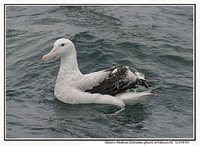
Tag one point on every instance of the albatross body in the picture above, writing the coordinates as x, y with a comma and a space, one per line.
109, 86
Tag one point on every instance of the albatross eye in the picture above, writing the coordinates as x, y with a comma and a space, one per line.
62, 44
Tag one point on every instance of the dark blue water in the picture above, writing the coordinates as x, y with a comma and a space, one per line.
156, 40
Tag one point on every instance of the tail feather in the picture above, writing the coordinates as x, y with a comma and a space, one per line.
143, 82
130, 98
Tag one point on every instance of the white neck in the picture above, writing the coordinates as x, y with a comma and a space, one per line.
69, 66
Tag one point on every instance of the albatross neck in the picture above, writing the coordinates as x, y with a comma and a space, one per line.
69, 65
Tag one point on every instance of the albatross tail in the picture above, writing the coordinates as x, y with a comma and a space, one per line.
130, 98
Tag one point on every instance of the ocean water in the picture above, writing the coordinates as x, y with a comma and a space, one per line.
156, 40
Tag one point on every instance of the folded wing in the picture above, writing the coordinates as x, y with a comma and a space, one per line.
119, 80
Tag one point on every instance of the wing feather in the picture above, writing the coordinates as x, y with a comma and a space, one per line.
120, 79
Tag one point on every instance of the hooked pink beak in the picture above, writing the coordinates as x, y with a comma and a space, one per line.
52, 54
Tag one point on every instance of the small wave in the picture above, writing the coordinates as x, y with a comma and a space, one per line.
83, 36
12, 94
48, 21
175, 60
128, 44
10, 33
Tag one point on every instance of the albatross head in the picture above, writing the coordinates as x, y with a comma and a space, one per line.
62, 47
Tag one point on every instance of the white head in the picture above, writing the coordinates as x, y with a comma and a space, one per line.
62, 47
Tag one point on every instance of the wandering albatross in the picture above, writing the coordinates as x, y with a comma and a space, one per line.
109, 86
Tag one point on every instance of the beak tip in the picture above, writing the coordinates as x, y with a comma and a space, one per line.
44, 58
